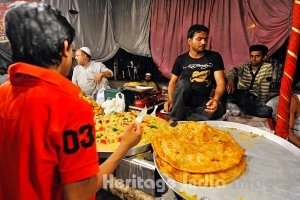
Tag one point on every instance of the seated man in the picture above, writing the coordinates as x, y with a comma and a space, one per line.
198, 69
294, 132
250, 92
90, 76
149, 83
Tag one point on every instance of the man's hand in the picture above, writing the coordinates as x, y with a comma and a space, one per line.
98, 77
212, 106
230, 86
167, 106
132, 135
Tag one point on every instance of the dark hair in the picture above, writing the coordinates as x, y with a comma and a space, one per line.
196, 28
36, 32
259, 47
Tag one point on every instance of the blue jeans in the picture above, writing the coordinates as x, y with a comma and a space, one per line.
250, 106
189, 106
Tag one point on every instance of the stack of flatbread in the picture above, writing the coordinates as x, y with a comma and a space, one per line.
199, 154
132, 84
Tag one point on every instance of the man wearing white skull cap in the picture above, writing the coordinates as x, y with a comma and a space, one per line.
89, 75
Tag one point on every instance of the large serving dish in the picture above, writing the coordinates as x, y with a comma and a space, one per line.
138, 88
273, 169
144, 87
111, 127
105, 153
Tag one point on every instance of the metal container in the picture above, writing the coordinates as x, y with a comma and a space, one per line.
272, 172
131, 152
135, 171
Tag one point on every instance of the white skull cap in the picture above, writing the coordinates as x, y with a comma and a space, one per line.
86, 50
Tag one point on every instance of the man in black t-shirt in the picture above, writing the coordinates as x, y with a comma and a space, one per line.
194, 75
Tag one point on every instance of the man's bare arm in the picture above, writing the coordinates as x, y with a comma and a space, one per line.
212, 104
220, 84
100, 75
84, 189
107, 74
171, 88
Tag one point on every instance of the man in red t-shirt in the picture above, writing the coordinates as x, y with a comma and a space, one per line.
47, 135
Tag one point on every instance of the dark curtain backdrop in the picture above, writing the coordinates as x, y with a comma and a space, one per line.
107, 25
234, 26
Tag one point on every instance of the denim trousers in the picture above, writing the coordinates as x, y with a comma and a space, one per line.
187, 107
250, 105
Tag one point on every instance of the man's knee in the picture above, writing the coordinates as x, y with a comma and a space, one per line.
265, 112
183, 89
184, 85
268, 111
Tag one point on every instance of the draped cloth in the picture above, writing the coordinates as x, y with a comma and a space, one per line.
137, 26
283, 110
107, 25
234, 26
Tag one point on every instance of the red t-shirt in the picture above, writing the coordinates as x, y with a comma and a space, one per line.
46, 134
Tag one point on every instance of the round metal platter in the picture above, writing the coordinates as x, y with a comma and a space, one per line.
133, 151
273, 169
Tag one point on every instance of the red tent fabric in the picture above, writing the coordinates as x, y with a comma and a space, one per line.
234, 26
283, 110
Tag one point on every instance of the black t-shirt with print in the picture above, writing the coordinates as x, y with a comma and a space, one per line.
200, 72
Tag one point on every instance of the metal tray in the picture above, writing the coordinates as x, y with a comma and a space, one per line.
130, 152
273, 169
136, 89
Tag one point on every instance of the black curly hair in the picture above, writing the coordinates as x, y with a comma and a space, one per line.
36, 32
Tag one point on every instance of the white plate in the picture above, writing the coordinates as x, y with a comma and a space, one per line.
272, 172
144, 87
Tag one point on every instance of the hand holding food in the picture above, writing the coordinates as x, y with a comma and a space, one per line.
132, 135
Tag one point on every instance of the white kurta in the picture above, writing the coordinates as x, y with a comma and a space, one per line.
84, 77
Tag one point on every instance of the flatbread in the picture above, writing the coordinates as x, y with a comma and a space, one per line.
198, 148
202, 179
132, 84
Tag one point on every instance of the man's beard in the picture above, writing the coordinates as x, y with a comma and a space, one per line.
256, 64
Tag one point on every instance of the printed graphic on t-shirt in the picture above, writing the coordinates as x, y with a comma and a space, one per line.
199, 66
200, 77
